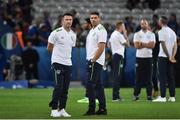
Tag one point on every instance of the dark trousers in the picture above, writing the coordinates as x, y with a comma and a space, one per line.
32, 74
95, 86
143, 75
117, 68
62, 77
155, 74
166, 75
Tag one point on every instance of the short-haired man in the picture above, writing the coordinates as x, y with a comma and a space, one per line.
117, 43
144, 42
95, 51
60, 43
168, 49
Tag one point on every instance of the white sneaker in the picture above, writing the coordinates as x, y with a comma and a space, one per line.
64, 113
171, 99
55, 113
160, 99
86, 100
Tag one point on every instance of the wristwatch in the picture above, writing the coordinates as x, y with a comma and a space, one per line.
91, 60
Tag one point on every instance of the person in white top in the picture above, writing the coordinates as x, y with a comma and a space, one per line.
117, 44
87, 27
168, 49
60, 43
144, 42
95, 51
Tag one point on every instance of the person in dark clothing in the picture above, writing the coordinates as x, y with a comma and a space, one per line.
30, 59
172, 22
26, 7
153, 4
155, 28
76, 21
87, 27
131, 4
177, 64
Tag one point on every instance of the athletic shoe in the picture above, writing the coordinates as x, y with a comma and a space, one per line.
149, 98
160, 99
171, 99
136, 98
117, 100
55, 113
155, 94
90, 112
64, 113
86, 100
97, 101
101, 112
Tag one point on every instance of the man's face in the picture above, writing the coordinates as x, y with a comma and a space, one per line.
86, 26
29, 44
67, 21
95, 20
144, 25
160, 23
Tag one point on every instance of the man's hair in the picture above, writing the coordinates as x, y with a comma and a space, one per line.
67, 14
144, 20
94, 13
119, 23
164, 20
87, 20
155, 16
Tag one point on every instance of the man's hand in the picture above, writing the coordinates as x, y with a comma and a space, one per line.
30, 65
90, 64
172, 60
138, 44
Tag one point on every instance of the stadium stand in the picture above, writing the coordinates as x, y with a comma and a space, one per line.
110, 10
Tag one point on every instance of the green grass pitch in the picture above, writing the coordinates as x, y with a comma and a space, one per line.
33, 104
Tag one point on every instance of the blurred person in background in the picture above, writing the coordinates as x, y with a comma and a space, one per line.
172, 23
76, 21
155, 28
58, 23
131, 4
6, 71
33, 31
30, 58
47, 20
177, 66
26, 7
43, 34
153, 4
86, 28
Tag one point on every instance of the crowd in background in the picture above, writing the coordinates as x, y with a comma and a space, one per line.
142, 4
18, 15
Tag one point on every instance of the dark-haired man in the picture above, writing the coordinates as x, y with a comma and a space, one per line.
95, 51
60, 43
168, 49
